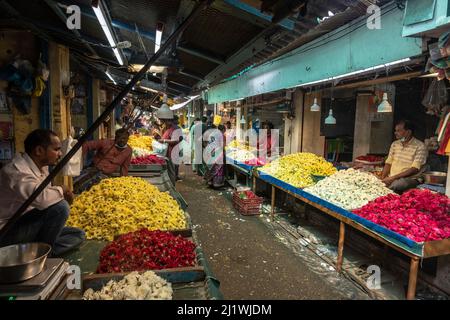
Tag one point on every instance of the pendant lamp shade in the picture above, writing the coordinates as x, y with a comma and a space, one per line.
330, 119
315, 107
384, 106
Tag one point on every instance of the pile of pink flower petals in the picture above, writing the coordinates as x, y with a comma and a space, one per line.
420, 215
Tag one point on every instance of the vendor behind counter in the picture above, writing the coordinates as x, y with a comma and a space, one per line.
110, 156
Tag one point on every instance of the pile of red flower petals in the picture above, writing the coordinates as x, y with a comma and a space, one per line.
146, 250
420, 215
148, 159
370, 158
257, 162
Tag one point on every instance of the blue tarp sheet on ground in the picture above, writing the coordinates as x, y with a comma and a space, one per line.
398, 239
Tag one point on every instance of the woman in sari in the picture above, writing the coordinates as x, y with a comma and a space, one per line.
215, 175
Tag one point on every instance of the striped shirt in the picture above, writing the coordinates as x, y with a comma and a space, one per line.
403, 157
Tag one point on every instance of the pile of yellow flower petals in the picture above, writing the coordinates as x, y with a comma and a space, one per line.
139, 141
120, 205
296, 169
235, 144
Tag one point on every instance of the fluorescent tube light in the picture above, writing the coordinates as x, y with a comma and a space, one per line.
181, 105
101, 19
355, 72
110, 77
158, 40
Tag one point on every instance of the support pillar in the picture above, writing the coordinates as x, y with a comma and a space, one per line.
447, 190
293, 128
60, 107
312, 140
96, 109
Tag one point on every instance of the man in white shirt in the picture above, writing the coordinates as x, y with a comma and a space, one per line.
44, 219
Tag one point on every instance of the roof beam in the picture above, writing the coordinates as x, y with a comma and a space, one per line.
181, 85
246, 8
191, 75
202, 55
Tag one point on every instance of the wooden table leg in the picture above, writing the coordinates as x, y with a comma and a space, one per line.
273, 203
412, 284
340, 257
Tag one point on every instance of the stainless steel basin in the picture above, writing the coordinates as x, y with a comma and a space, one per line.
435, 177
21, 262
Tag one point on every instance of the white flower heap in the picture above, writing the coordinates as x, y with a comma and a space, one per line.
134, 286
349, 189
140, 152
241, 155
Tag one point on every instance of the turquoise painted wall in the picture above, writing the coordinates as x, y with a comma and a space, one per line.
350, 48
420, 19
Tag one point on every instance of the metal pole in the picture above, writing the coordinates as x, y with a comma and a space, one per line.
103, 116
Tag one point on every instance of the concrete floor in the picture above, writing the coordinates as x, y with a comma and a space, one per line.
248, 261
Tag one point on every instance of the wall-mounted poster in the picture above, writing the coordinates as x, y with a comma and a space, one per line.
6, 130
6, 150
77, 106
3, 103
80, 91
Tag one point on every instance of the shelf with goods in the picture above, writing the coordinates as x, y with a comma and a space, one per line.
414, 249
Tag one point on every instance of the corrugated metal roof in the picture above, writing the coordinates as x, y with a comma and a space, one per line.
219, 32
196, 64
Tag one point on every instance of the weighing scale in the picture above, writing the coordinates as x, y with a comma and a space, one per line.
39, 287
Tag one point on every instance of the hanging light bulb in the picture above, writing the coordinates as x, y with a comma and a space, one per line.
315, 107
384, 106
330, 119
243, 120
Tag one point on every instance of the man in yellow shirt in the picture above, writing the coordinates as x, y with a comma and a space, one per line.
406, 160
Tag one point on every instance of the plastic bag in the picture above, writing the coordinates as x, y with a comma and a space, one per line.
160, 148
436, 97
74, 166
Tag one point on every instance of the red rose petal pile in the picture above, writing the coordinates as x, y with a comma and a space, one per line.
148, 159
146, 250
370, 158
420, 215
255, 162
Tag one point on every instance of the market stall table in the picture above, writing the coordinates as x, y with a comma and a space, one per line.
414, 250
189, 283
239, 168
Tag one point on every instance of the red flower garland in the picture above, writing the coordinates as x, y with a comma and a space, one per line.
146, 250
420, 215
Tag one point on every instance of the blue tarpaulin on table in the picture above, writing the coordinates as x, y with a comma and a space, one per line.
412, 246
432, 188
241, 165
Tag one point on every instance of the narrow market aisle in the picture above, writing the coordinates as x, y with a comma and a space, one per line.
249, 262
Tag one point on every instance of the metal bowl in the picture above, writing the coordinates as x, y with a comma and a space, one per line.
21, 262
435, 177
